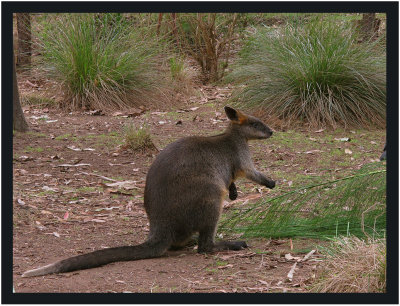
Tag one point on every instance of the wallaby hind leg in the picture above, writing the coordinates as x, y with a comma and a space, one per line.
178, 245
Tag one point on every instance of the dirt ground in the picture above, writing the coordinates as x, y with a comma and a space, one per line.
64, 205
61, 211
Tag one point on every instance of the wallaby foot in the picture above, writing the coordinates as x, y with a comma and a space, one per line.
192, 241
232, 191
230, 245
223, 245
270, 184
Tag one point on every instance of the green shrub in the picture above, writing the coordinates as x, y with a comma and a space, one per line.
314, 71
177, 66
353, 205
101, 59
138, 139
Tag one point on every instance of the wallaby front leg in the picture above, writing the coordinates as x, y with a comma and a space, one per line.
260, 178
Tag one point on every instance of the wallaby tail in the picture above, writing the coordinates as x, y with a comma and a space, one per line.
148, 249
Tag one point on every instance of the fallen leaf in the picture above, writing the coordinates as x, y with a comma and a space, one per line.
40, 226
237, 255
263, 282
344, 139
107, 208
225, 267
96, 112
20, 202
319, 131
95, 220
66, 215
313, 151
56, 234
197, 118
278, 242
74, 148
128, 185
69, 165
290, 257
24, 158
47, 188
194, 108
347, 151
135, 112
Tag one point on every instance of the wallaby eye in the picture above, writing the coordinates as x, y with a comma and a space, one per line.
255, 125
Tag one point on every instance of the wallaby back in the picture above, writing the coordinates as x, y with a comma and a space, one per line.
184, 192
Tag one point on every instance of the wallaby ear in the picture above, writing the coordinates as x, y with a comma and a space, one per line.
231, 113
234, 115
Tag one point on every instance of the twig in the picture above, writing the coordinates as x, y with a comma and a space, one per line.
103, 177
262, 261
290, 274
308, 255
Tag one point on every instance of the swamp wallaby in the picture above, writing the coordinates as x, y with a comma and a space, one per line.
184, 192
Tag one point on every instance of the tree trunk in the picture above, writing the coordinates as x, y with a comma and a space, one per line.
19, 122
369, 26
24, 39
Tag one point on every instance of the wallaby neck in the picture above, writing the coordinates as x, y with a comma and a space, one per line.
234, 135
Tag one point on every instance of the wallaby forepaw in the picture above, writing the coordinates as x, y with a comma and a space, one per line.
232, 191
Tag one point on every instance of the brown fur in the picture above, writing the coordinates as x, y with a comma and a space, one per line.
184, 192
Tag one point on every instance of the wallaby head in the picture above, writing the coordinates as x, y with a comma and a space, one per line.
249, 126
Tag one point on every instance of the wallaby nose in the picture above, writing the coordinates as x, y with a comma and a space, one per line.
271, 132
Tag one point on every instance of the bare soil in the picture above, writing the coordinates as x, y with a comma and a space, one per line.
62, 206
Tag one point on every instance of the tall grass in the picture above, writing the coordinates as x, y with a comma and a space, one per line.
102, 60
315, 71
353, 205
352, 265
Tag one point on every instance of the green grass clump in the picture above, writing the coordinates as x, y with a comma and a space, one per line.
316, 72
102, 60
354, 205
138, 139
36, 100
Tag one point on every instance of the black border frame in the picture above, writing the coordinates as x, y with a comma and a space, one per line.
390, 8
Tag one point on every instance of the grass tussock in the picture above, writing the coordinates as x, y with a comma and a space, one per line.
352, 265
36, 100
138, 139
103, 61
316, 72
353, 205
